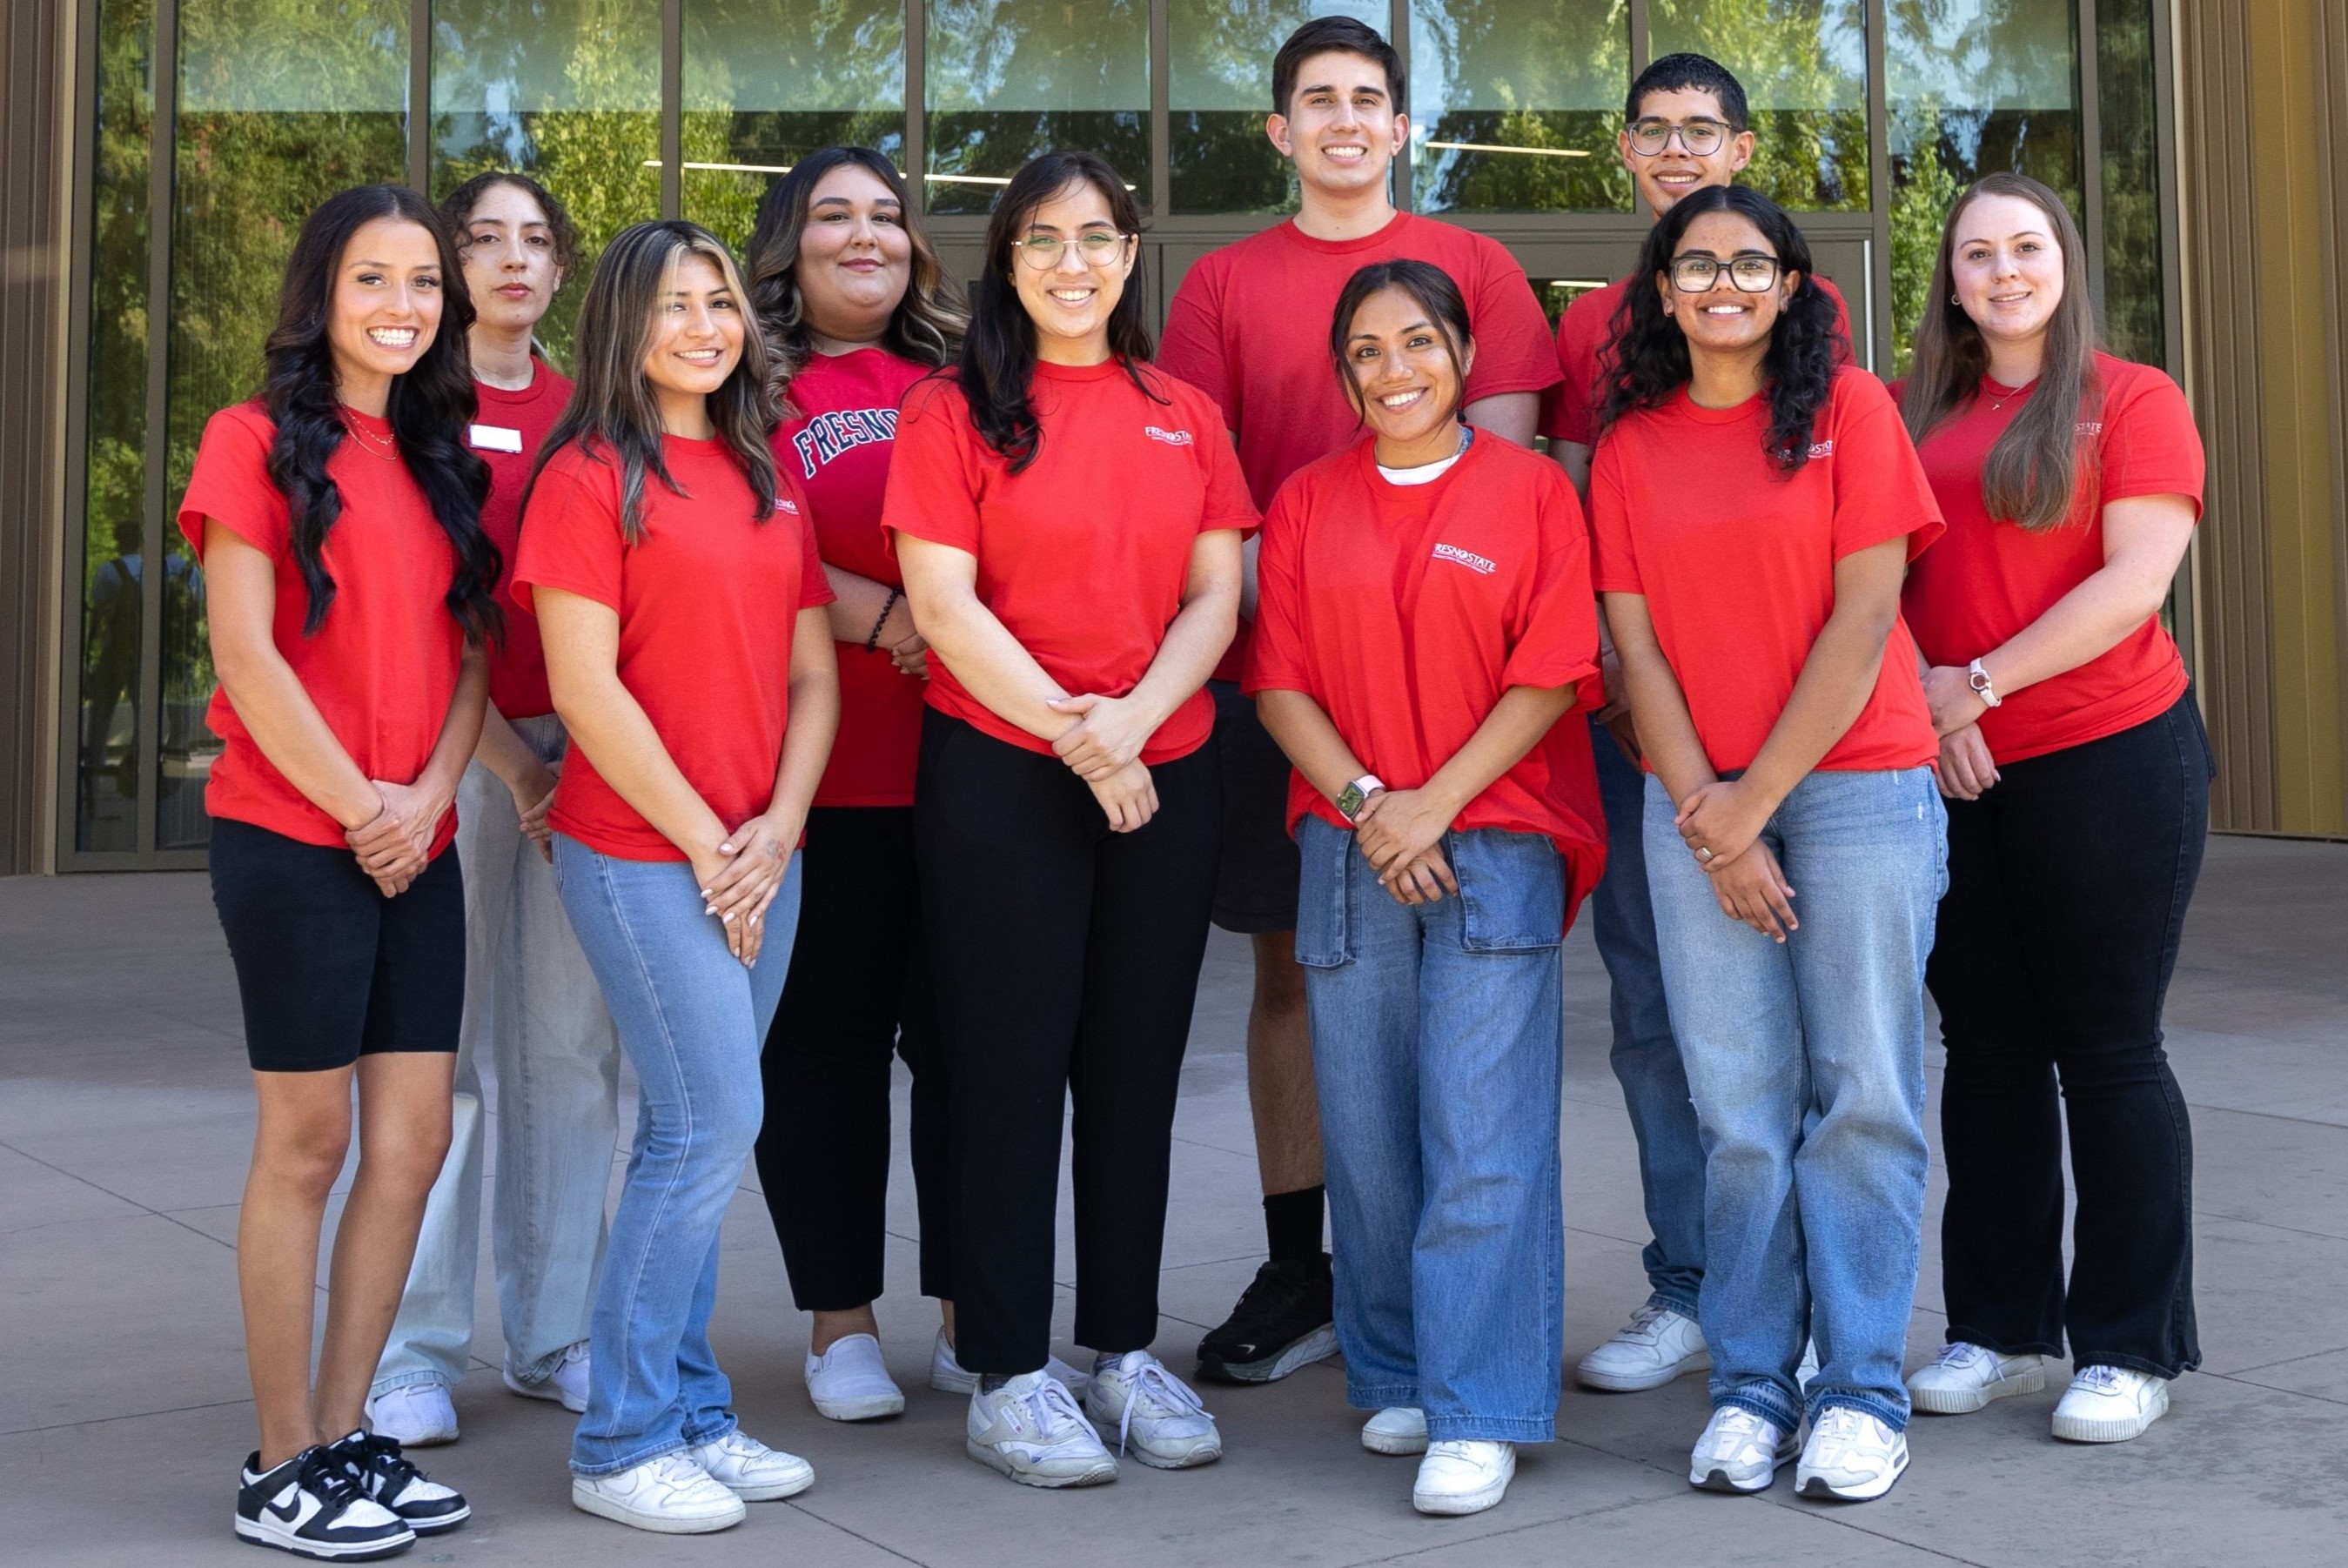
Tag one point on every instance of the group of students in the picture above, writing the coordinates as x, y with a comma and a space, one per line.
964, 661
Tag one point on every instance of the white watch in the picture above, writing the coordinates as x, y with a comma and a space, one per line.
1978, 678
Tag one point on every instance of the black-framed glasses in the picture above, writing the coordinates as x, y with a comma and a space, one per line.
1701, 137
1749, 271
1096, 247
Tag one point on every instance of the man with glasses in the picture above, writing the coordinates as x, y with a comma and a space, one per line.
1685, 129
1250, 324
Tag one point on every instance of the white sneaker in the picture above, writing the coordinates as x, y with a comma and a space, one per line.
671, 1495
751, 1471
947, 1375
850, 1382
2109, 1405
1739, 1451
1657, 1345
1031, 1429
414, 1414
1852, 1456
1965, 1378
1809, 1366
1158, 1418
1397, 1429
565, 1383
1463, 1476
312, 1506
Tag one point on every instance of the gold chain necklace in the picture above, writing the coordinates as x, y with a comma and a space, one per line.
384, 447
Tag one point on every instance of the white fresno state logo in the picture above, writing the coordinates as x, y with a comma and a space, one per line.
1467, 559
1171, 437
1821, 448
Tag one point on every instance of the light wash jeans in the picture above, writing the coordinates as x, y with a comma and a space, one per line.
531, 1002
1436, 1045
1807, 1062
1646, 1056
693, 1022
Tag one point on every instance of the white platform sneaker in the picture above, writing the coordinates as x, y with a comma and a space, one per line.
1656, 1346
1965, 1377
1463, 1476
2109, 1405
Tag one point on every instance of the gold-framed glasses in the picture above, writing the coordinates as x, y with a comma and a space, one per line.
1095, 247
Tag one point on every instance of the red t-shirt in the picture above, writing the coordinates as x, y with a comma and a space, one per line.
1736, 560
707, 598
382, 668
1084, 555
1990, 579
1250, 325
838, 448
1585, 334
505, 434
1405, 610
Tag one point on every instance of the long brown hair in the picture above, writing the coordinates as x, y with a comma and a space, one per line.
613, 413
2034, 475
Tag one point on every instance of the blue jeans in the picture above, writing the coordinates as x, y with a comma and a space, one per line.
1436, 1043
1645, 1057
692, 1020
531, 1008
1807, 1063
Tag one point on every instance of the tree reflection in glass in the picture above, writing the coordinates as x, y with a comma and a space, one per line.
1221, 90
1515, 105
1803, 64
1007, 79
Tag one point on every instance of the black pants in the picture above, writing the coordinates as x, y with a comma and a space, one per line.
2067, 886
1066, 960
857, 993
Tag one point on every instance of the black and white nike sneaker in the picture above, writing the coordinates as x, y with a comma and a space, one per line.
1282, 1323
311, 1506
377, 1466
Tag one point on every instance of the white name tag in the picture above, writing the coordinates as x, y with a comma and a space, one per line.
494, 438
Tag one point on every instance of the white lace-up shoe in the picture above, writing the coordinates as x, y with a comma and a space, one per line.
414, 1414
1158, 1419
1739, 1451
751, 1471
2109, 1405
948, 1376
1656, 1346
1965, 1378
1851, 1457
671, 1495
565, 1383
1032, 1430
1397, 1429
1463, 1476
850, 1382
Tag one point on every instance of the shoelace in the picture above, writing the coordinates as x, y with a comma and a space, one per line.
2099, 1380
1959, 1355
376, 1465
1737, 1426
1053, 1410
325, 1475
1840, 1426
1172, 1396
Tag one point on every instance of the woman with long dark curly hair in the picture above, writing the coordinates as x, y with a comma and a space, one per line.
338, 517
1068, 519
1756, 508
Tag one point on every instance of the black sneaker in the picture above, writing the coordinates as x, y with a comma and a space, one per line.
377, 1467
1283, 1321
311, 1507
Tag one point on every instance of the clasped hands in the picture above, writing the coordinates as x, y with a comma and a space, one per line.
739, 877
396, 844
1721, 823
1104, 749
1965, 767
1400, 833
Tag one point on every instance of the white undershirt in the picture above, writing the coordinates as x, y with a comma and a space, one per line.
1426, 474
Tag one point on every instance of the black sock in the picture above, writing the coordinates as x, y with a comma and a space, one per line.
989, 1382
1292, 1224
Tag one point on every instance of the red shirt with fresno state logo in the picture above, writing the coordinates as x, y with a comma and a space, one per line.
1991, 578
1736, 559
505, 434
838, 447
382, 667
1250, 326
1585, 334
1406, 610
1082, 554
708, 599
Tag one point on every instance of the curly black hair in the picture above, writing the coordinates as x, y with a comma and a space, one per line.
1650, 360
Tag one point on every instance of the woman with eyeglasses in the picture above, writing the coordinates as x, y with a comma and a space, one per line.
1068, 520
1794, 838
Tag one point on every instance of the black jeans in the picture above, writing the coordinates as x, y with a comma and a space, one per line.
1066, 959
857, 993
2067, 886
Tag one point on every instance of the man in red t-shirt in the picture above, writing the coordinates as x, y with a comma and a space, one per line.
1686, 127
1250, 325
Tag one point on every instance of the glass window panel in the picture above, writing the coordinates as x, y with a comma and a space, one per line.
566, 91
1973, 85
2132, 247
107, 781
1220, 91
1010, 78
282, 104
1803, 64
1515, 105
763, 89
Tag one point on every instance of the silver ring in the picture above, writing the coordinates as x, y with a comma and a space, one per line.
1702, 854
